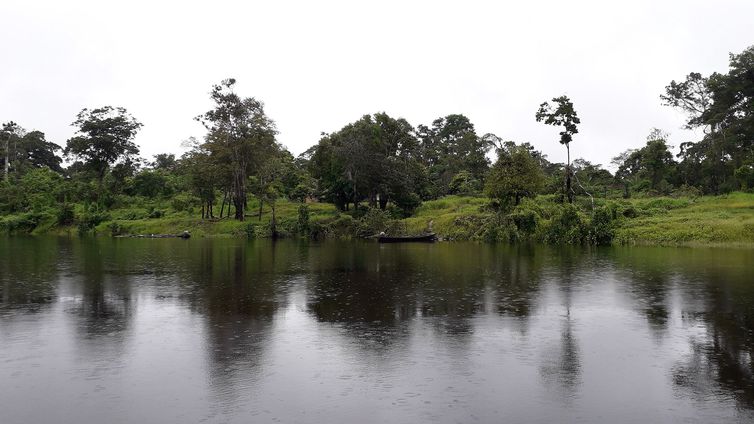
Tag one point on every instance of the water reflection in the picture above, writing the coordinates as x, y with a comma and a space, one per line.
328, 331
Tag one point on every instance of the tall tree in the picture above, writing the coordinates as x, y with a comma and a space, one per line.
104, 136
562, 114
723, 105
450, 146
374, 158
238, 130
650, 167
10, 131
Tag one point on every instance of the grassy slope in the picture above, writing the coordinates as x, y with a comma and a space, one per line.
727, 220
132, 220
704, 221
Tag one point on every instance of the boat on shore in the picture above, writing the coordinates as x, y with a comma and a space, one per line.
421, 238
183, 235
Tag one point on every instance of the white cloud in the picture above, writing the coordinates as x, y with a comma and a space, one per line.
320, 65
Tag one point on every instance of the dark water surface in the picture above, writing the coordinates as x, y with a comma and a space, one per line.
228, 331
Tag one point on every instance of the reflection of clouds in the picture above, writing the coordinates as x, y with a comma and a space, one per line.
333, 330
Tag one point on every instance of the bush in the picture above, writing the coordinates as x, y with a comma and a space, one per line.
464, 184
88, 220
115, 229
373, 222
601, 231
687, 191
525, 221
340, 226
407, 203
155, 213
65, 214
23, 223
630, 212
302, 224
566, 227
183, 202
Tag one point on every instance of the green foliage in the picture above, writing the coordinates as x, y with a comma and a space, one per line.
24, 222
150, 184
104, 136
90, 219
601, 227
449, 147
240, 140
373, 159
567, 226
515, 175
562, 114
464, 184
723, 105
525, 220
184, 202
65, 214
745, 176
303, 219
373, 222
340, 226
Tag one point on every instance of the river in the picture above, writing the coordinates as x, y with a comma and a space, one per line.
234, 331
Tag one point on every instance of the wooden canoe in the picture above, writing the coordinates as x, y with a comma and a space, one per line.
425, 238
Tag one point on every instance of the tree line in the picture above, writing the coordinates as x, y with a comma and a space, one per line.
378, 161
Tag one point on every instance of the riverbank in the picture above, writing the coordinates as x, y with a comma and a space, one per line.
726, 220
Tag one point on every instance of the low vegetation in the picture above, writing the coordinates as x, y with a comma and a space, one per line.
669, 221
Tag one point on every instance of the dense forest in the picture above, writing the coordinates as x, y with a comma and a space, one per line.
377, 170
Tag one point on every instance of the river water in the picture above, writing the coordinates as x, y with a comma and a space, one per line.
230, 331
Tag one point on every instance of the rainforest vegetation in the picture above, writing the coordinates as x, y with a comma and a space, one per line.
381, 173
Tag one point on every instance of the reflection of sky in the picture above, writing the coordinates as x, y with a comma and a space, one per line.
572, 346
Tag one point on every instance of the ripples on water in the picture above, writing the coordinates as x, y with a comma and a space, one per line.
176, 331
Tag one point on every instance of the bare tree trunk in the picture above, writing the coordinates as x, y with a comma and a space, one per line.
569, 192
239, 197
273, 224
7, 156
222, 207
261, 205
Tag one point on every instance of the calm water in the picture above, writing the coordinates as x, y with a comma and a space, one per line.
226, 331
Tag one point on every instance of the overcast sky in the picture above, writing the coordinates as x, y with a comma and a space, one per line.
318, 65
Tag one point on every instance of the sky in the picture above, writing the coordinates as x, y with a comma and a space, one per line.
319, 65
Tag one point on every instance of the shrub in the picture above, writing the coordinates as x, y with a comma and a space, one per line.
340, 226
566, 227
464, 184
302, 224
373, 222
115, 229
65, 214
630, 212
601, 229
88, 220
155, 213
525, 220
23, 223
183, 202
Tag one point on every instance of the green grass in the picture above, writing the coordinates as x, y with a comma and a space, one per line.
712, 220
721, 220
